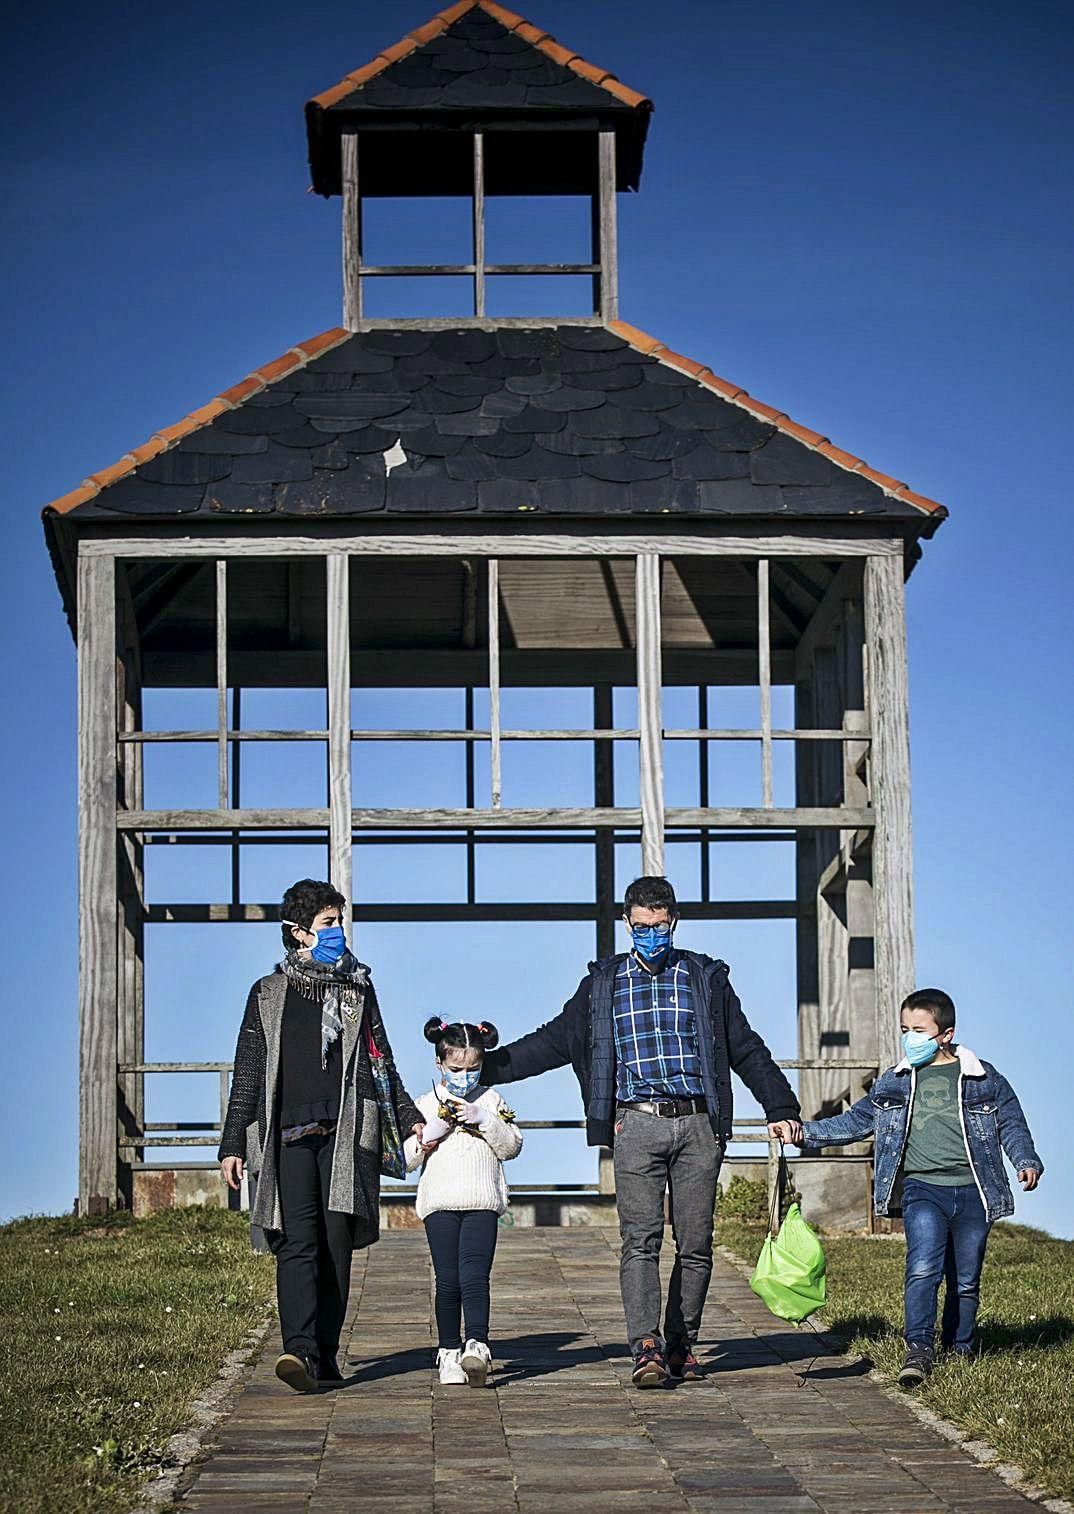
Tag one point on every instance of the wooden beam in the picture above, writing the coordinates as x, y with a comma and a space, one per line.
479, 224
352, 234
764, 664
97, 894
258, 914
500, 819
888, 697
651, 749
130, 911
339, 724
607, 252
604, 842
221, 684
495, 753
176, 541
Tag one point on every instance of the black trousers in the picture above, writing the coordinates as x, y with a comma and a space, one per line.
463, 1244
313, 1262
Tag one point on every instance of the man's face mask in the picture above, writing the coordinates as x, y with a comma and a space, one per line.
652, 943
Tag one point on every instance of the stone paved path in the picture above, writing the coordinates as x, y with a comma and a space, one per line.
563, 1430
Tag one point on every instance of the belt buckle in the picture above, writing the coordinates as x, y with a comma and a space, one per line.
667, 1108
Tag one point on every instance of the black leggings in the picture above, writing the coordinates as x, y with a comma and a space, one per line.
463, 1243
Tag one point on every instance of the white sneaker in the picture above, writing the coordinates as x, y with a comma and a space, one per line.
476, 1363
447, 1364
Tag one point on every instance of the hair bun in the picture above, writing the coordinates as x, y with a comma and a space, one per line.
490, 1036
433, 1028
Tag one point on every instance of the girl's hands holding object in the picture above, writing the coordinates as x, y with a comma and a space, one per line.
468, 1114
435, 1131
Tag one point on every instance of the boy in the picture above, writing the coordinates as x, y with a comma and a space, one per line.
942, 1120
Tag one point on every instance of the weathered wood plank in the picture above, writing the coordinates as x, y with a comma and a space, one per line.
352, 234
464, 819
339, 723
764, 664
178, 542
130, 883
479, 224
650, 722
221, 684
98, 991
604, 843
495, 753
258, 914
607, 249
888, 698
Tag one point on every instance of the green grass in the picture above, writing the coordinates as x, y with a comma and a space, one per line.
1019, 1395
110, 1329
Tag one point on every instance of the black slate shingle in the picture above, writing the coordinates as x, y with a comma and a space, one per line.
551, 419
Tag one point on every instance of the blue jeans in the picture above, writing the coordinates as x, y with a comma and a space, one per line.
946, 1234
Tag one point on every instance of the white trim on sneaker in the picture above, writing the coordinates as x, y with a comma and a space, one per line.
476, 1363
450, 1368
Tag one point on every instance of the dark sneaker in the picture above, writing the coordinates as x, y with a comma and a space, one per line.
650, 1369
683, 1366
328, 1370
916, 1367
298, 1372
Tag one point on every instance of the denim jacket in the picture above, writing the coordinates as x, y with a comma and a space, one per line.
992, 1123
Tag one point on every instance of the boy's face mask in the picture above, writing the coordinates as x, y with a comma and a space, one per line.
461, 1084
919, 1048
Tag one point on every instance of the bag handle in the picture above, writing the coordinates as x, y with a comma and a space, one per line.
779, 1187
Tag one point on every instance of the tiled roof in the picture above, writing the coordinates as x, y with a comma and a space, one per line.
475, 57
585, 420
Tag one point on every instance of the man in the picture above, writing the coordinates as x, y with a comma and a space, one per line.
653, 1036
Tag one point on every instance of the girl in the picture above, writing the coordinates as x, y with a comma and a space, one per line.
469, 1133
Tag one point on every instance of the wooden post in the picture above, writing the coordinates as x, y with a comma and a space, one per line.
339, 726
650, 720
889, 772
604, 841
764, 664
605, 251
97, 893
479, 224
352, 234
130, 912
495, 750
221, 683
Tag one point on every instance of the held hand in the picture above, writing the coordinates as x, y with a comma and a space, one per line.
435, 1131
788, 1131
231, 1168
1029, 1177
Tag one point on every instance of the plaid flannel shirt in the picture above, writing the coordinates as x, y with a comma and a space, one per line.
656, 1055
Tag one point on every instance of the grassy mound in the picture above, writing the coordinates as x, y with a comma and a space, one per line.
111, 1328
1019, 1396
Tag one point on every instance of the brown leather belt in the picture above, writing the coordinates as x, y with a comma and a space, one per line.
668, 1109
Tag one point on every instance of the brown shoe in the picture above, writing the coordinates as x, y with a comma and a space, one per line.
650, 1370
298, 1372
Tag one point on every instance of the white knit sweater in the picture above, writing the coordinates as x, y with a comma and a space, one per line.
465, 1171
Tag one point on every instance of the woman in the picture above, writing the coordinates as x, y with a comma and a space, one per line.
316, 1109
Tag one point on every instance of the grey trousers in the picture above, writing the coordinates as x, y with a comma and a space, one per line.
654, 1155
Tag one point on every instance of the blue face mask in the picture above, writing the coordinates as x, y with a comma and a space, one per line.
919, 1048
461, 1084
652, 943
330, 945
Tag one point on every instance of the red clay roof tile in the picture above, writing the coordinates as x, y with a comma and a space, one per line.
280, 366
813, 439
71, 501
318, 344
115, 471
148, 450
243, 390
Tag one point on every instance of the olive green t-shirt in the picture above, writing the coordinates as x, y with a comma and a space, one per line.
935, 1147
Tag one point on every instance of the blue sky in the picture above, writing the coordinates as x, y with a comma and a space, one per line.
860, 213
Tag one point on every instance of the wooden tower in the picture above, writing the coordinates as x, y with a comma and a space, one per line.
485, 502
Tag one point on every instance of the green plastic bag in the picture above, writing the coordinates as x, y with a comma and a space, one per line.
789, 1275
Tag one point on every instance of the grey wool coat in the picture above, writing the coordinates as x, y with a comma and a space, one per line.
251, 1128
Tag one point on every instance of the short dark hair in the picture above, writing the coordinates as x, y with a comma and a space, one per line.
303, 902
934, 1002
459, 1035
650, 892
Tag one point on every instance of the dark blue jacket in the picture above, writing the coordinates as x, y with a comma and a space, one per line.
583, 1034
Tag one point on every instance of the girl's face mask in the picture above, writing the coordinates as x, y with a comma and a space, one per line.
461, 1084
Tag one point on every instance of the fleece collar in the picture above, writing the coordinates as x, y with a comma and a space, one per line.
972, 1067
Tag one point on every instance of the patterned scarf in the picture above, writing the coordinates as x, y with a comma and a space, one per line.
337, 989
